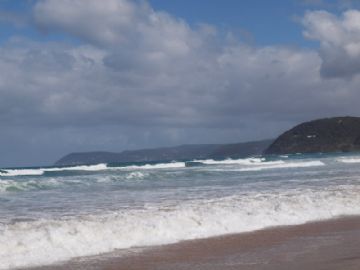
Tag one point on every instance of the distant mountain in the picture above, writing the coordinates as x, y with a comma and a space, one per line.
182, 152
339, 134
240, 150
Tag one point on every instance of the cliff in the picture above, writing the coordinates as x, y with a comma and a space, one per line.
339, 134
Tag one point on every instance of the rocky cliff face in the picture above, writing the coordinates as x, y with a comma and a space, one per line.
339, 134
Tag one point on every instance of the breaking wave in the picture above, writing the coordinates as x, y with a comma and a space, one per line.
41, 171
349, 160
21, 172
47, 241
244, 161
13, 186
89, 168
284, 165
171, 165
255, 164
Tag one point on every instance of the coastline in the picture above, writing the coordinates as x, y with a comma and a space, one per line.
331, 245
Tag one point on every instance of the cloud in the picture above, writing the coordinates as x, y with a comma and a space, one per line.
339, 39
114, 23
138, 77
96, 21
181, 76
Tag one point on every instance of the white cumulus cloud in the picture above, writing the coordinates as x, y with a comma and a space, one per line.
339, 38
138, 77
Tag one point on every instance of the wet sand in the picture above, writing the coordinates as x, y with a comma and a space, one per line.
325, 245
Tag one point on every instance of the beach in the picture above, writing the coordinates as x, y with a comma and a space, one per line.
324, 245
253, 213
179, 135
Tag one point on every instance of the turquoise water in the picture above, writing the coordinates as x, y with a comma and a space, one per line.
54, 214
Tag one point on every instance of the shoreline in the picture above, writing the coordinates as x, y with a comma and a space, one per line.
332, 244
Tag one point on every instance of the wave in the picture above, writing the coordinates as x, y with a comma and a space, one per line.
21, 172
244, 161
349, 160
249, 164
41, 171
284, 165
15, 186
135, 176
89, 168
31, 243
171, 165
256, 164
34, 184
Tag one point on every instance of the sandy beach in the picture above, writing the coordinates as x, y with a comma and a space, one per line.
325, 245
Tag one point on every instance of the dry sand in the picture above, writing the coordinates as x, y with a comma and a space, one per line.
325, 245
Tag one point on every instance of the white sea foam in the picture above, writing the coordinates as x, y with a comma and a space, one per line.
135, 175
41, 171
91, 168
349, 160
244, 161
258, 164
21, 172
48, 241
284, 165
171, 165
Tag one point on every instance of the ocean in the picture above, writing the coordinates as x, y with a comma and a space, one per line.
53, 214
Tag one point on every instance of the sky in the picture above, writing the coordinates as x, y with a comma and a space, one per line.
113, 75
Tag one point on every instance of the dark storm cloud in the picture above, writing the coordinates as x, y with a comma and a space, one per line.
139, 77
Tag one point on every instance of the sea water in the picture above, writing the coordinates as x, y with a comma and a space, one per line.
54, 214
